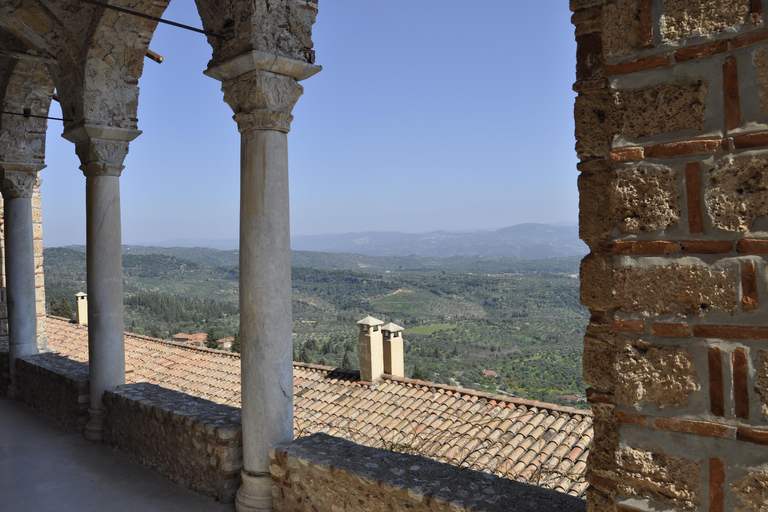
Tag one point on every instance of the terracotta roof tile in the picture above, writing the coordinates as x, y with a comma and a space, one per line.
529, 441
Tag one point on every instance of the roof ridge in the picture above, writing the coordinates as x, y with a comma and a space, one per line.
490, 396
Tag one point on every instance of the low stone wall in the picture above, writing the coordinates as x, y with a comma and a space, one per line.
329, 474
56, 386
194, 442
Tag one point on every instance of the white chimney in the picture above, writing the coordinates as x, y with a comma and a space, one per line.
81, 303
393, 349
371, 350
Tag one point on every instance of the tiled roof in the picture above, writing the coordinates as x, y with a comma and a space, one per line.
542, 444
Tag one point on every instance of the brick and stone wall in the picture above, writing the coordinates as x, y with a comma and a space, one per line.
37, 234
321, 472
56, 386
672, 136
192, 441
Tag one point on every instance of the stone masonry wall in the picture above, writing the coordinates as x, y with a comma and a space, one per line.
672, 137
321, 472
56, 386
192, 441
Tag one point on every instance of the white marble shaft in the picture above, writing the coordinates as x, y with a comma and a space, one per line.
262, 101
17, 187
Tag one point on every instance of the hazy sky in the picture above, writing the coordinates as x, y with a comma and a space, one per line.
450, 115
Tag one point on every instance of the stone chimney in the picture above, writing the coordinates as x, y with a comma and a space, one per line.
393, 349
81, 303
371, 349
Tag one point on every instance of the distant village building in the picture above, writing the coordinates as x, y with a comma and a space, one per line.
196, 340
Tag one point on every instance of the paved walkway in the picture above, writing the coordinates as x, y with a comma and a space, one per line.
45, 468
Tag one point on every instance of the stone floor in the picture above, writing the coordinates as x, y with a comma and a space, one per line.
43, 467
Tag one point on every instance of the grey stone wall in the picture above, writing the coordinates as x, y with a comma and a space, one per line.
321, 472
56, 386
194, 442
5, 370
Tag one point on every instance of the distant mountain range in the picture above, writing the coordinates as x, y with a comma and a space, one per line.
522, 241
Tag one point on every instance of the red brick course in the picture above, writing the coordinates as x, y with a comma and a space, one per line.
748, 287
716, 481
731, 93
751, 140
740, 383
671, 330
702, 428
706, 246
652, 248
646, 23
758, 36
751, 246
716, 394
691, 147
595, 397
702, 50
626, 154
634, 66
632, 419
629, 326
602, 483
733, 332
752, 436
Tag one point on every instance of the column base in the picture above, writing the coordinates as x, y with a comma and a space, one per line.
255, 493
94, 428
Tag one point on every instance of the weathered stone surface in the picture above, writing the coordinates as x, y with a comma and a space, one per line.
645, 199
192, 441
602, 449
676, 289
761, 386
671, 480
593, 139
647, 373
600, 501
737, 193
598, 363
320, 472
621, 27
751, 492
595, 291
761, 69
596, 220
683, 18
659, 109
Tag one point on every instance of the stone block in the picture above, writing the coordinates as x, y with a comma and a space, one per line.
649, 111
593, 139
595, 218
658, 476
598, 361
621, 27
737, 193
648, 373
675, 289
751, 492
761, 69
683, 18
645, 199
595, 291
602, 449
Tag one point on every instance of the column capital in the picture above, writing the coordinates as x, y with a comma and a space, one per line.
262, 100
18, 180
101, 149
261, 88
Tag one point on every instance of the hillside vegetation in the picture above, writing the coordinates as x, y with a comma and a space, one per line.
509, 325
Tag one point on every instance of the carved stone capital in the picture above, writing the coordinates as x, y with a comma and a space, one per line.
101, 149
18, 184
262, 100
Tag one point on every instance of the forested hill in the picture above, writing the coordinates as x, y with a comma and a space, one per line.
349, 261
509, 325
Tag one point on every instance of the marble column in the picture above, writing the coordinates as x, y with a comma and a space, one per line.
101, 151
17, 185
262, 96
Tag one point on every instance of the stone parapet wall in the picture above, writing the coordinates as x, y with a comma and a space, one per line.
672, 136
329, 474
5, 368
56, 386
194, 442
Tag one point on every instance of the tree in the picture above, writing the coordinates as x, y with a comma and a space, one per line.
347, 363
210, 340
418, 373
62, 309
236, 343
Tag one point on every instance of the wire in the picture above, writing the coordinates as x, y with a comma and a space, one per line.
27, 113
